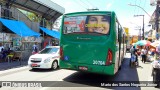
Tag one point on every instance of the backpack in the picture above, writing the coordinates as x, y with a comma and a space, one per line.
133, 58
132, 50
35, 49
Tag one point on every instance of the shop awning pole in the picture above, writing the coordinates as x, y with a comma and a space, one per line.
21, 48
3, 39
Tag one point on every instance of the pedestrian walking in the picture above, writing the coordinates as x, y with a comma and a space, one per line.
1, 51
136, 54
144, 54
133, 60
35, 48
133, 51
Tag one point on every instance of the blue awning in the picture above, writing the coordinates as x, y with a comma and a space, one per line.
19, 27
52, 33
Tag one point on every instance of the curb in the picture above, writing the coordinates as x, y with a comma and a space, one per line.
13, 70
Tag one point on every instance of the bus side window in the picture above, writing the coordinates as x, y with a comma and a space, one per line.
117, 32
117, 36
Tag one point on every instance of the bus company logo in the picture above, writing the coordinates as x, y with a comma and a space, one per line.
6, 84
83, 38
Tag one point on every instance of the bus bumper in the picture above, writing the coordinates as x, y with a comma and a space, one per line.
108, 70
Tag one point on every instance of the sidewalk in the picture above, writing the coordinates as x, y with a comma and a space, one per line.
13, 70
13, 64
5, 65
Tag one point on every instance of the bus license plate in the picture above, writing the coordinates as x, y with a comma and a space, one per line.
82, 68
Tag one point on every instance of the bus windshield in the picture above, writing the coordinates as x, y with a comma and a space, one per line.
87, 24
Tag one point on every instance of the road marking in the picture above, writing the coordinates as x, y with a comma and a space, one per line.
150, 78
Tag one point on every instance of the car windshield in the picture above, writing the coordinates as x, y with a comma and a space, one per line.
48, 51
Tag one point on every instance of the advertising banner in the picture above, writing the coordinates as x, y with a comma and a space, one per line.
87, 24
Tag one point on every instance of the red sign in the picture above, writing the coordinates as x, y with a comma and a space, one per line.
81, 25
33, 65
70, 22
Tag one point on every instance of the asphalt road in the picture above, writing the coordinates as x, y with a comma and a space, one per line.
67, 79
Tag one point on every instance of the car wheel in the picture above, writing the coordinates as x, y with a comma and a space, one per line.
54, 65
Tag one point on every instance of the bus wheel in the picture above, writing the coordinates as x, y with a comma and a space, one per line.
120, 68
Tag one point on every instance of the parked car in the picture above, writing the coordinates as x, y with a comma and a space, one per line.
48, 58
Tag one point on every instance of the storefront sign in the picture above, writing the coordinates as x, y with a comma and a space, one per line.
16, 41
5, 37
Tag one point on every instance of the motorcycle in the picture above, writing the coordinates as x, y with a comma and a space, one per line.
156, 71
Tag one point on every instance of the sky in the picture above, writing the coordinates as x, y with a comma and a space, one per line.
124, 12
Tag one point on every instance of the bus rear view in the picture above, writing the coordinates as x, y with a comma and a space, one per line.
88, 42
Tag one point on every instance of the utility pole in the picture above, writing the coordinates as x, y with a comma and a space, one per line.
157, 19
139, 37
157, 16
142, 26
157, 13
140, 8
142, 15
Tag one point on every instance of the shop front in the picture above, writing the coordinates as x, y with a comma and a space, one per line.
20, 42
51, 38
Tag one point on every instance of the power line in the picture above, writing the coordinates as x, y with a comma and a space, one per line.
84, 3
144, 4
137, 10
81, 4
135, 7
90, 3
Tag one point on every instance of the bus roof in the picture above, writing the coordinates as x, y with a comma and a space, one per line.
90, 12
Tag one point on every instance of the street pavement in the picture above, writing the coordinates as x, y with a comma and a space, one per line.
13, 64
140, 73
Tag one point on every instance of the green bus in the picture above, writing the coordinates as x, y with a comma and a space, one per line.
92, 41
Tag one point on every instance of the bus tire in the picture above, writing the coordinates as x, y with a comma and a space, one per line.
120, 68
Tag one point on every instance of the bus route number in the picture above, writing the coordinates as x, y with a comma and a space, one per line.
97, 62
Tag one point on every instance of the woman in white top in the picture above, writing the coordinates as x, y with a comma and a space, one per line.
144, 53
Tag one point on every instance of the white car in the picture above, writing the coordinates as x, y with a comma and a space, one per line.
48, 58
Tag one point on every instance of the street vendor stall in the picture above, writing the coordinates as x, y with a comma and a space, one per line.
16, 41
